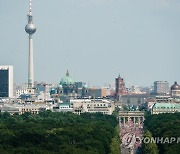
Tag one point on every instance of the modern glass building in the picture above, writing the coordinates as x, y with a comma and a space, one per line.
6, 81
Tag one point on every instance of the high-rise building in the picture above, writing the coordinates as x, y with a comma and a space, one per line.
30, 29
6, 81
120, 87
161, 87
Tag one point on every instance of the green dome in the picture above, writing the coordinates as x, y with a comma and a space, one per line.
67, 80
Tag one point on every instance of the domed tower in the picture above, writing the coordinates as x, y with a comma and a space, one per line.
68, 84
30, 29
175, 90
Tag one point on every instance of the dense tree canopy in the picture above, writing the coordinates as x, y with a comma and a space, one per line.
64, 133
166, 126
149, 148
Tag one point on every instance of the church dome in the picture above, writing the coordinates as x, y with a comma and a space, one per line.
175, 86
67, 80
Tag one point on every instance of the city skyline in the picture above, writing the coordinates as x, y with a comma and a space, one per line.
94, 40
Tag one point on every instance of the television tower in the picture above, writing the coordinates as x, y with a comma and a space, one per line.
30, 29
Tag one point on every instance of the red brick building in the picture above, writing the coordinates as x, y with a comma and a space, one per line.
120, 87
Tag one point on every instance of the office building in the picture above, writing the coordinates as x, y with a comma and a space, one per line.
161, 87
6, 81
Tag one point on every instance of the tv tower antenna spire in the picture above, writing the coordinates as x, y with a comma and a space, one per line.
30, 7
30, 29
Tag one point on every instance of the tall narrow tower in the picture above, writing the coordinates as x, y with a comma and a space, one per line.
30, 29
120, 87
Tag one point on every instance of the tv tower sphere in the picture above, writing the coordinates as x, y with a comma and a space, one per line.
30, 28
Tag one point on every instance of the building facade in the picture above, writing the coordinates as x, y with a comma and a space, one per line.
6, 81
133, 99
159, 108
103, 106
161, 87
20, 92
21, 109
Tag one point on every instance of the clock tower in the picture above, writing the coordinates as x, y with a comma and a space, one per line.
120, 87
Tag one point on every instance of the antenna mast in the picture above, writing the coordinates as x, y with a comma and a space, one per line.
30, 7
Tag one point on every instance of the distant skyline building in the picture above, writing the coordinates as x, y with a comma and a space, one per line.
161, 87
175, 90
6, 81
30, 29
120, 87
67, 84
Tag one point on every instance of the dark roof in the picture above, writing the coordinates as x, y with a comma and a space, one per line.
175, 86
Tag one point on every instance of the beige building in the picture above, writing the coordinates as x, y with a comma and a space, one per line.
92, 106
20, 109
20, 92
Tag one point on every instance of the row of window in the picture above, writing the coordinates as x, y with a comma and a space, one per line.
96, 105
164, 107
99, 112
29, 109
64, 107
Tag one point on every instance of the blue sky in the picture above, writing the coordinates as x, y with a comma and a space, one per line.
94, 39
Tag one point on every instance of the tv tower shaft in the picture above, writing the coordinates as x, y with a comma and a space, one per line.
30, 29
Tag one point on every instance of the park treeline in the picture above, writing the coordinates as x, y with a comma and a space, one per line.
62, 133
166, 126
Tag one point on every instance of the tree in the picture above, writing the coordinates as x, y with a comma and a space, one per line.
65, 132
115, 145
151, 147
165, 126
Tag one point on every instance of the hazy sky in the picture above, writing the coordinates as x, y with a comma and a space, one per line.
94, 39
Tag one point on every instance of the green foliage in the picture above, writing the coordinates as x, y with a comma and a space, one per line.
116, 112
164, 125
65, 133
126, 108
115, 145
149, 148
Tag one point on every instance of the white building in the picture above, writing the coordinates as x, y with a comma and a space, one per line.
43, 96
6, 81
65, 107
20, 109
92, 106
20, 92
